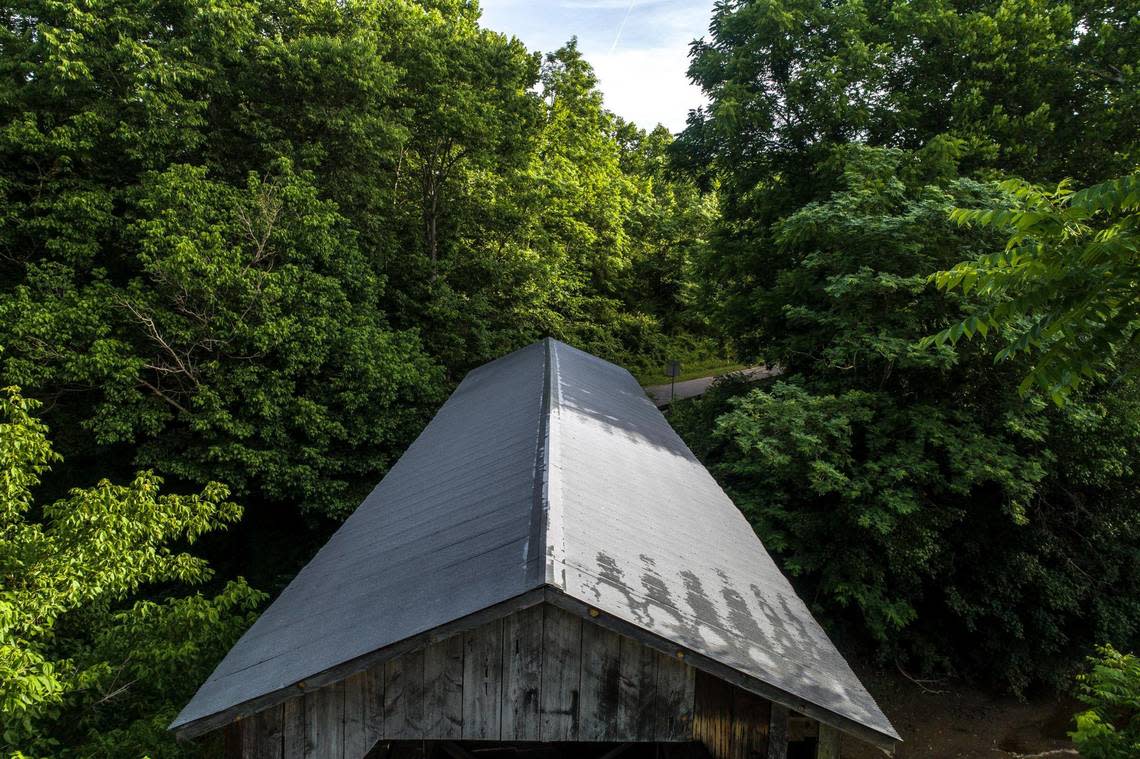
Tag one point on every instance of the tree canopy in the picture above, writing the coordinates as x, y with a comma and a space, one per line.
87, 665
248, 246
1066, 281
858, 149
256, 242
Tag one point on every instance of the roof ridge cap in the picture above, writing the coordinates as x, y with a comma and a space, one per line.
554, 548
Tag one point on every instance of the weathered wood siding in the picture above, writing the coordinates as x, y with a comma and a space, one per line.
540, 674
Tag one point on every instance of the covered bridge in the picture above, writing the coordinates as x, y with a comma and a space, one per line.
548, 571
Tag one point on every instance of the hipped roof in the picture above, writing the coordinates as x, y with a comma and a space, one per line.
548, 468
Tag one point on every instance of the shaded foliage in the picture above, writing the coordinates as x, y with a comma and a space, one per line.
1110, 729
87, 666
920, 500
1065, 282
257, 241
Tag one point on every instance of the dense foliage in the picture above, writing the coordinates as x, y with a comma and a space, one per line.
915, 493
923, 503
1110, 729
87, 666
255, 241
1066, 280
1040, 88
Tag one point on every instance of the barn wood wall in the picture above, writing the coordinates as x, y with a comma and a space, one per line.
539, 674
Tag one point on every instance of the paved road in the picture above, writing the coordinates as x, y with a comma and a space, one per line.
694, 387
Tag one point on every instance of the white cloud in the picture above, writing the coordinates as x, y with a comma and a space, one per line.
647, 86
644, 76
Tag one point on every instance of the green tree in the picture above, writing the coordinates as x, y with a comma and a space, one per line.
1039, 88
920, 500
1066, 285
1110, 729
88, 666
175, 279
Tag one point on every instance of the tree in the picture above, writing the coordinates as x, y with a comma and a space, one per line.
1110, 728
914, 494
89, 665
175, 282
1037, 88
1066, 287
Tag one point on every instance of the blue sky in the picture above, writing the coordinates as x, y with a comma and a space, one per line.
639, 49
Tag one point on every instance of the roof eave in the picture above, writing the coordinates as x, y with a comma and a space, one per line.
557, 597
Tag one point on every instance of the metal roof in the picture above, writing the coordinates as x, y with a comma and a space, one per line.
546, 468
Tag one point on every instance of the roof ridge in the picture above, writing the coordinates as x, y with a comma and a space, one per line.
553, 541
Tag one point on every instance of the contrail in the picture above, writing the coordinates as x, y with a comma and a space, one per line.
621, 27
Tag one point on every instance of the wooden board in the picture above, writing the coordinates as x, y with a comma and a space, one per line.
750, 716
778, 732
363, 712
404, 697
828, 747
324, 722
522, 674
600, 687
262, 734
637, 691
674, 707
443, 689
483, 682
293, 728
712, 715
561, 675
233, 740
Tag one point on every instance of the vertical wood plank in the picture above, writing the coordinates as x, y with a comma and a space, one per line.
600, 684
293, 729
637, 691
750, 715
261, 734
247, 737
363, 711
483, 681
324, 722
561, 672
828, 747
778, 732
712, 715
674, 710
404, 696
522, 674
233, 740
443, 689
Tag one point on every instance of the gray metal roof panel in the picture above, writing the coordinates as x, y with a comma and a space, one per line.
548, 466
642, 531
458, 504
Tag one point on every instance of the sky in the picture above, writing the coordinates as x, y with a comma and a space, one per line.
638, 48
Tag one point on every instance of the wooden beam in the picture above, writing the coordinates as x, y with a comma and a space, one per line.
483, 682
561, 676
828, 747
522, 674
778, 732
